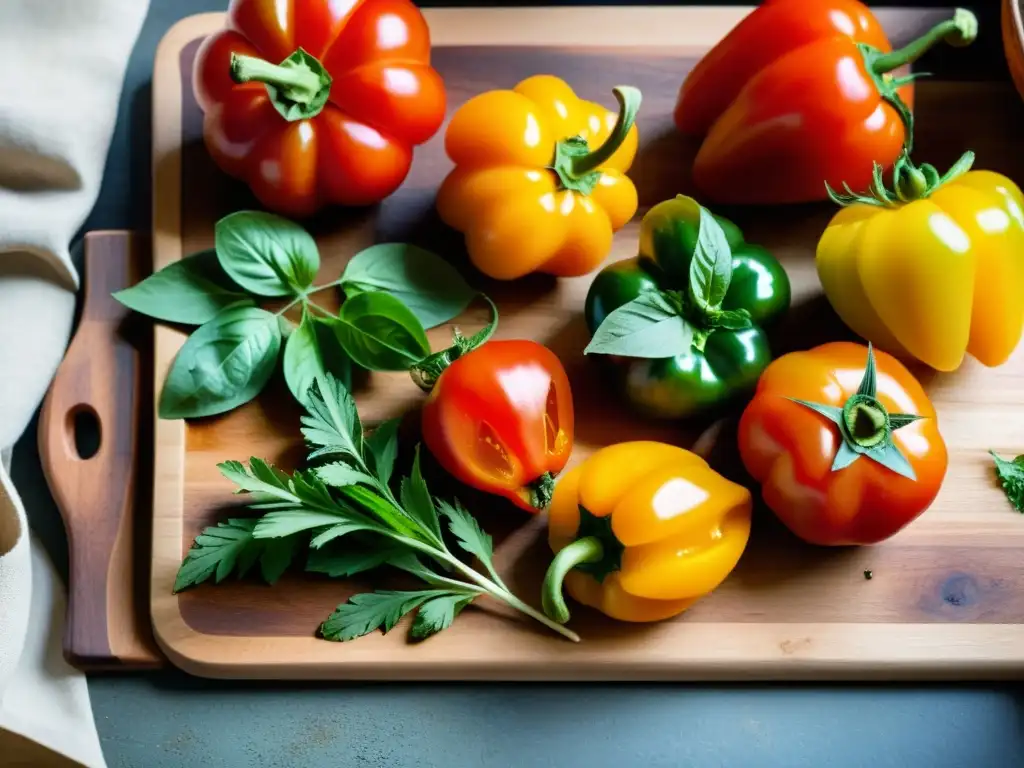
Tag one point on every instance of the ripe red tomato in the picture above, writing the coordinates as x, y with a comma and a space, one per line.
500, 419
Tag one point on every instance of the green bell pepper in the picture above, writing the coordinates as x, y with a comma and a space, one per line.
726, 356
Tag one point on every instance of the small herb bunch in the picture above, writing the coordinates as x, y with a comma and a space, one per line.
346, 499
666, 323
394, 292
1011, 476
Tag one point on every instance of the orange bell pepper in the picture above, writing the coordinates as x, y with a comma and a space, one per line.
539, 183
641, 531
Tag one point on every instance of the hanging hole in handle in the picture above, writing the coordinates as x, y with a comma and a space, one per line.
84, 425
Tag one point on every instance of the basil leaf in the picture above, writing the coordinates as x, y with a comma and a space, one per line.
711, 266
266, 254
380, 333
191, 290
223, 364
730, 319
429, 286
312, 350
648, 326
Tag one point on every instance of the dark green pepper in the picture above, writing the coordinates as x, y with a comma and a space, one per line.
726, 357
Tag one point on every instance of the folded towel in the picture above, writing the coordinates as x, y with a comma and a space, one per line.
63, 63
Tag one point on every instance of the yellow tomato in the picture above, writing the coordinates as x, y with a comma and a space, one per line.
935, 277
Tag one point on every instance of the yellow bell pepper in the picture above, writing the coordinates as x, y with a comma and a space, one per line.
933, 269
539, 183
641, 531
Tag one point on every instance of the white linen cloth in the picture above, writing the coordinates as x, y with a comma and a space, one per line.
63, 64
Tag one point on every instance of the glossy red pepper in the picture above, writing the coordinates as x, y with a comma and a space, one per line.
500, 419
799, 94
314, 102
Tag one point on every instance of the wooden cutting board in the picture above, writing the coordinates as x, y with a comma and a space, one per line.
947, 595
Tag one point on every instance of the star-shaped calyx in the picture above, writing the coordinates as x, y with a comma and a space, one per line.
866, 427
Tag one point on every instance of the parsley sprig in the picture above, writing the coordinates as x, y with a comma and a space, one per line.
347, 498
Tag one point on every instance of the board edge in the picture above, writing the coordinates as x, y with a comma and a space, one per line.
224, 657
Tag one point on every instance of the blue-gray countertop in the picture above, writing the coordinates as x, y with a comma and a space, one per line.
170, 719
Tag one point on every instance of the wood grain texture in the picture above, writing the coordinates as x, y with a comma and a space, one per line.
945, 600
100, 375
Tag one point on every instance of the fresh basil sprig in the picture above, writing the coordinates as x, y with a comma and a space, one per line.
381, 333
430, 287
224, 364
660, 324
394, 292
266, 254
351, 520
190, 291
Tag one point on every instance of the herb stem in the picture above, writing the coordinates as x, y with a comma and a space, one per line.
313, 305
292, 303
499, 592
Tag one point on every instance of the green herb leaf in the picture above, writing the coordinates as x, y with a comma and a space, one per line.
730, 319
418, 502
191, 290
1011, 476
277, 556
467, 531
379, 332
230, 546
340, 475
649, 326
437, 614
266, 254
259, 477
332, 421
335, 532
340, 563
394, 518
313, 350
711, 266
286, 522
383, 447
410, 563
429, 286
224, 363
369, 611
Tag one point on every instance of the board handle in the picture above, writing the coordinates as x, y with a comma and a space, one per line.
99, 381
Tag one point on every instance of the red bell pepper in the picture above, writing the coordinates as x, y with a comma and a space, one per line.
316, 102
799, 94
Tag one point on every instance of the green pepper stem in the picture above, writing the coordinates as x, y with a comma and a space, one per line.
301, 83
589, 549
958, 31
629, 104
541, 490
